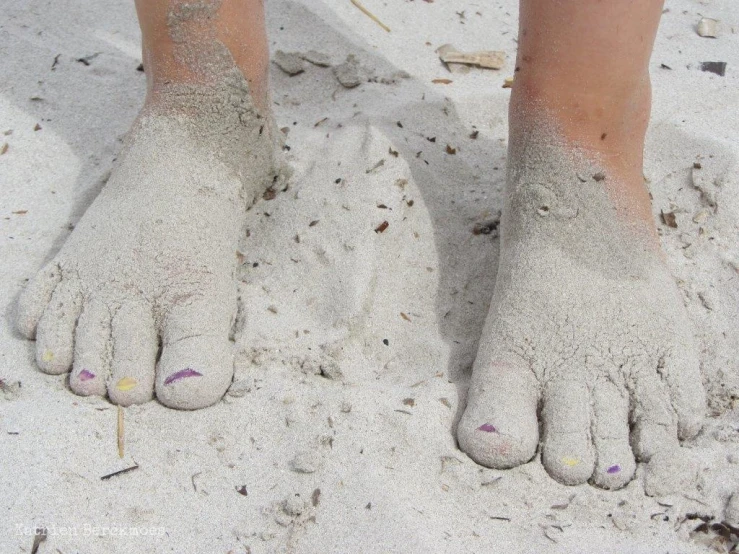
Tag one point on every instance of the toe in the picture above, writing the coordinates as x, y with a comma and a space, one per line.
91, 350
135, 347
567, 452
681, 372
55, 333
196, 367
615, 464
35, 298
654, 420
499, 428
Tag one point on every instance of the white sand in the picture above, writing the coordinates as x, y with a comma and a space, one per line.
377, 441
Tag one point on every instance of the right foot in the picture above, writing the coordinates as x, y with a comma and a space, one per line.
150, 265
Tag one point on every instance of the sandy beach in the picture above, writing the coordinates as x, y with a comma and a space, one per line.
363, 290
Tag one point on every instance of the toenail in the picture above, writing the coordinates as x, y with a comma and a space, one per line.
182, 374
487, 428
570, 461
126, 384
614, 469
47, 356
86, 375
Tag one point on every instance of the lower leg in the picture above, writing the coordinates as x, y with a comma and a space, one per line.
190, 42
584, 65
585, 321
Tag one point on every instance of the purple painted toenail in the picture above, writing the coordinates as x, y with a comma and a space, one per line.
487, 428
614, 469
86, 375
181, 374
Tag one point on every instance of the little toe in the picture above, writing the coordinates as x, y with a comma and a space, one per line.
196, 367
567, 453
55, 333
135, 346
35, 298
499, 428
654, 420
615, 464
91, 350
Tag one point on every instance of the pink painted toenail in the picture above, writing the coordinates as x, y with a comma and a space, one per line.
614, 469
487, 428
181, 374
86, 375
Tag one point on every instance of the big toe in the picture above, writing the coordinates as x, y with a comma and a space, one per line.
196, 367
194, 372
499, 428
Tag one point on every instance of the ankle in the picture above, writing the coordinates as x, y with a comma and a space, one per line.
198, 44
602, 135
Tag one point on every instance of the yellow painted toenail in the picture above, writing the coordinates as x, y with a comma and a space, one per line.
126, 384
47, 356
570, 461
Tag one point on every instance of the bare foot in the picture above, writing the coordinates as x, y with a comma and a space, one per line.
146, 278
586, 330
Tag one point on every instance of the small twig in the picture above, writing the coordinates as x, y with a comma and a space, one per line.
119, 472
369, 14
120, 432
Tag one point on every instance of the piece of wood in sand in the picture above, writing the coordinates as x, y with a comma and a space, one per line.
486, 59
369, 14
119, 472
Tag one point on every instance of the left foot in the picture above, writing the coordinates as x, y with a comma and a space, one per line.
587, 325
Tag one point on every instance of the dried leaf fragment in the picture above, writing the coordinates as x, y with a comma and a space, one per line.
668, 218
719, 68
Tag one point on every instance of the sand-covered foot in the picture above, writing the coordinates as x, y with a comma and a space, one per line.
141, 298
587, 335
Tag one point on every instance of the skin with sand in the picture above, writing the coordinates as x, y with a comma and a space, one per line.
585, 322
152, 260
